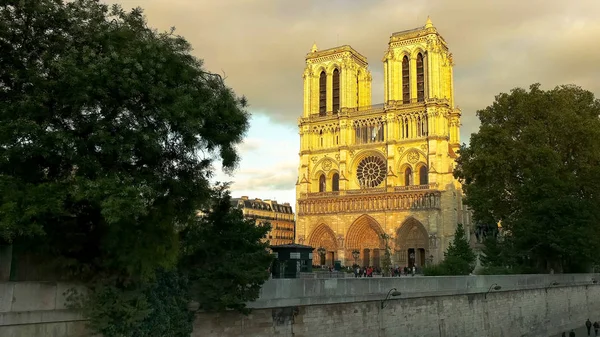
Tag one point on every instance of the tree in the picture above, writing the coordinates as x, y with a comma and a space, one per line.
459, 258
223, 256
386, 263
108, 130
535, 166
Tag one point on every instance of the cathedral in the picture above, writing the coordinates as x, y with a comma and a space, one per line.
376, 175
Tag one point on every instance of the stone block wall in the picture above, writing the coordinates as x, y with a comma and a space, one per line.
530, 312
38, 309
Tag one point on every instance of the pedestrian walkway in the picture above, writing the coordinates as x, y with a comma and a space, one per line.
579, 332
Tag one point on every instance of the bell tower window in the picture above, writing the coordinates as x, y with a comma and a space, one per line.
322, 183
335, 182
423, 179
336, 90
322, 93
408, 177
405, 81
420, 79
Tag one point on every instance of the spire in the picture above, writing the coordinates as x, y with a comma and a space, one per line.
428, 23
314, 48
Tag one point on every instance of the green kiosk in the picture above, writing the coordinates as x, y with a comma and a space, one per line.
291, 260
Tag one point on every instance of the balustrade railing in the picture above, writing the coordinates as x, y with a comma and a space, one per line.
375, 108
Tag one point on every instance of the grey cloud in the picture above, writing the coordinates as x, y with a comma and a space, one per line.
279, 178
498, 45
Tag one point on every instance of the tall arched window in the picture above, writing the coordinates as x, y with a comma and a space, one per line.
336, 90
322, 183
406, 134
405, 80
322, 93
408, 177
335, 182
423, 176
420, 78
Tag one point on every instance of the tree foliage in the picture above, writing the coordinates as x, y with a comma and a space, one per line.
534, 165
148, 309
108, 129
459, 258
223, 256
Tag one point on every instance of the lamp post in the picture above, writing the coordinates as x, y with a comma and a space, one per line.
321, 252
492, 287
393, 292
356, 255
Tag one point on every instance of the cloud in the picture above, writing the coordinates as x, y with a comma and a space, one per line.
261, 44
271, 178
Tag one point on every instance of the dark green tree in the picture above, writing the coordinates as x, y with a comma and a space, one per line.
459, 258
223, 256
108, 129
535, 166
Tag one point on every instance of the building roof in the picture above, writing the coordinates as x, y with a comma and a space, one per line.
267, 205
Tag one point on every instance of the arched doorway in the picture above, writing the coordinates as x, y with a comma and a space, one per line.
323, 237
412, 244
364, 236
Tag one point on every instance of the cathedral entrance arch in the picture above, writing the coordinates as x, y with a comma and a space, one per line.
412, 243
323, 237
364, 236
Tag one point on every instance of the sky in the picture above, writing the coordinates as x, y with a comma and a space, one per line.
260, 45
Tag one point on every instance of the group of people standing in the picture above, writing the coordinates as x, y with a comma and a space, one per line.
396, 271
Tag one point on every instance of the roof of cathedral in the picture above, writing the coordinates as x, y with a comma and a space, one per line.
315, 53
428, 28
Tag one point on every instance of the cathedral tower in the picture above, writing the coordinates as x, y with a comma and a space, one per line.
375, 173
335, 78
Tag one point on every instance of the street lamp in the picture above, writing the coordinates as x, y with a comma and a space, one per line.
392, 292
356, 255
322, 252
553, 284
492, 287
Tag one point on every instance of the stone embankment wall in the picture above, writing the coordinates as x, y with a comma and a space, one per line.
38, 309
526, 305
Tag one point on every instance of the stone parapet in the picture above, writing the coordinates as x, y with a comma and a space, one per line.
300, 292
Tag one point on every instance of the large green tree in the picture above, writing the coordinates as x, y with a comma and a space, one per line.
108, 129
224, 256
534, 165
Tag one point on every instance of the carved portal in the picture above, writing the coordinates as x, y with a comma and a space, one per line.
412, 243
364, 235
323, 236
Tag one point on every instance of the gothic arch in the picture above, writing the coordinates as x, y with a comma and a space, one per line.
411, 238
362, 155
332, 67
364, 233
403, 161
416, 51
323, 236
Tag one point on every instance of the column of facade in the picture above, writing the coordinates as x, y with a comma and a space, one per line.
329, 102
413, 78
397, 80
386, 79
314, 94
343, 69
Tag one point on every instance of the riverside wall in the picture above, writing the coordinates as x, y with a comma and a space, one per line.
525, 305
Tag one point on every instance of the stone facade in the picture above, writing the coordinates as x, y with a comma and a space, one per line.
387, 169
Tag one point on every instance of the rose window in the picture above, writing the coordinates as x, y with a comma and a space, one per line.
371, 172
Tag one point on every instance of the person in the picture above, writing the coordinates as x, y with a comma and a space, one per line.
588, 325
596, 327
572, 333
